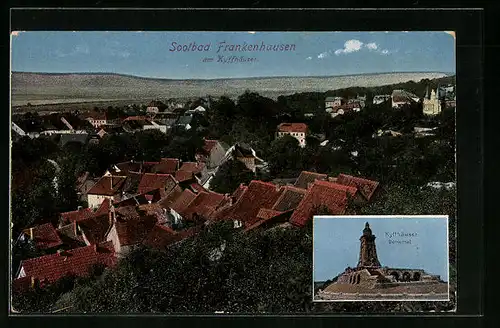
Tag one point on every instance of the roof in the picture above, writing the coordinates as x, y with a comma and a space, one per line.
321, 193
166, 165
154, 209
70, 236
182, 176
333, 98
136, 118
73, 137
171, 197
196, 187
307, 177
258, 195
131, 183
103, 208
77, 261
209, 145
348, 106
266, 213
292, 127
402, 96
184, 120
126, 167
96, 116
95, 228
239, 191
44, 236
132, 227
78, 215
182, 202
151, 181
160, 237
107, 185
201, 204
20, 285
366, 187
194, 167
290, 198
134, 200
268, 217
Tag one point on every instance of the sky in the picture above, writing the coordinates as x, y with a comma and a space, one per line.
336, 244
149, 53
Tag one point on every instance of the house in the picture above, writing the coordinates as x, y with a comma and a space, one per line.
107, 187
48, 269
211, 154
296, 130
155, 106
431, 103
180, 204
379, 99
257, 195
306, 177
365, 187
330, 195
150, 125
75, 216
96, 119
71, 235
166, 166
129, 229
197, 170
331, 102
361, 100
402, 97
200, 207
44, 236
185, 122
152, 181
345, 108
244, 154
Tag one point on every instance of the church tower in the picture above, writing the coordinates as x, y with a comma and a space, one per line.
368, 250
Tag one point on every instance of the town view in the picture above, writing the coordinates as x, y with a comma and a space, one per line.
145, 180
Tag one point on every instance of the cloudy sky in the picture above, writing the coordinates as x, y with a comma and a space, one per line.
315, 53
336, 244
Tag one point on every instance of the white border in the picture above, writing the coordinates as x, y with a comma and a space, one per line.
386, 217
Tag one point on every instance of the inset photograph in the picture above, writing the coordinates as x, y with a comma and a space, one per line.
380, 258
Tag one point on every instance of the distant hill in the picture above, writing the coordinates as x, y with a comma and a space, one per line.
40, 88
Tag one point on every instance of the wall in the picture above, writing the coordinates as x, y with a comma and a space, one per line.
216, 155
95, 201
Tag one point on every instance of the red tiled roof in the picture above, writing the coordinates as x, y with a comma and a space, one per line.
348, 189
194, 167
307, 177
131, 227
292, 127
44, 236
209, 145
182, 176
239, 191
160, 237
258, 195
103, 208
266, 213
78, 215
321, 193
201, 205
197, 187
95, 228
21, 285
166, 165
135, 200
154, 209
290, 198
151, 181
171, 197
77, 261
182, 202
107, 186
366, 187
69, 235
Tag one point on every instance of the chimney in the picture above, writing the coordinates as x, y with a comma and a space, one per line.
74, 228
111, 180
32, 282
31, 233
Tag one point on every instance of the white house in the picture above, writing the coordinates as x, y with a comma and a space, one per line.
97, 119
296, 130
331, 102
154, 126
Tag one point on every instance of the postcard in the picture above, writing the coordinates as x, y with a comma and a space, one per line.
175, 172
388, 257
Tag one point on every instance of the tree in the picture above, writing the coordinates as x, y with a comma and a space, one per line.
285, 157
229, 176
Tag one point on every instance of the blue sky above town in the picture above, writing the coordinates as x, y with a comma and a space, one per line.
337, 245
315, 53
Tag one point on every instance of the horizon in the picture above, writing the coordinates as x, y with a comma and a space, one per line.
231, 55
448, 74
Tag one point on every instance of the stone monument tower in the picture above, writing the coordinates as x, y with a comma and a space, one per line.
368, 251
